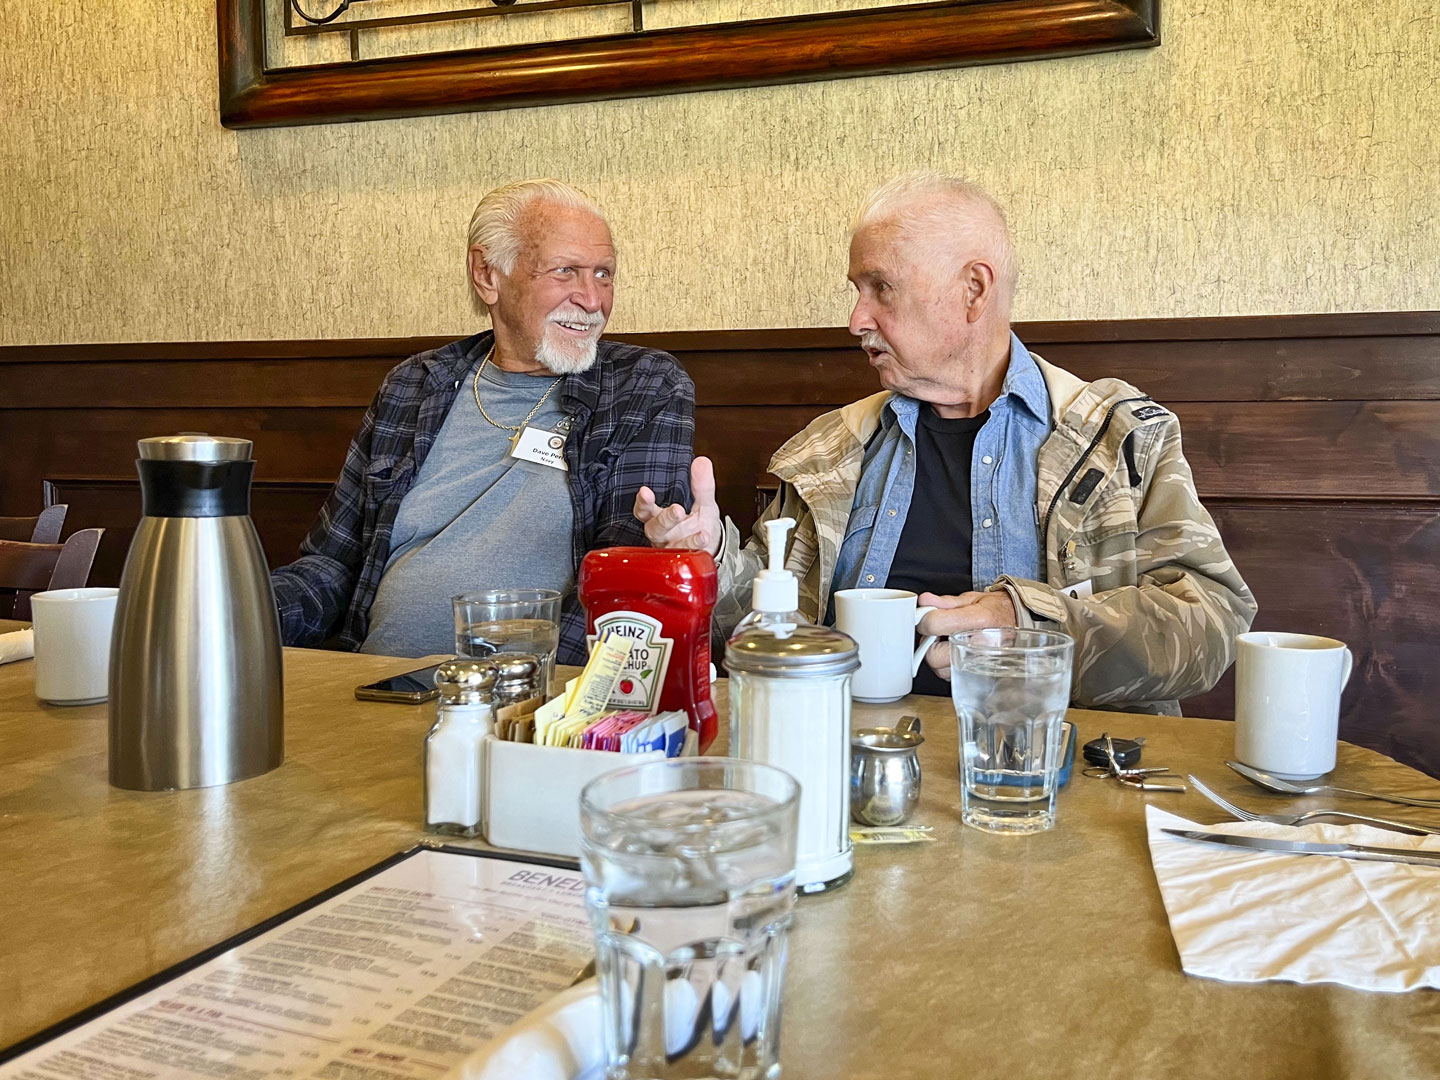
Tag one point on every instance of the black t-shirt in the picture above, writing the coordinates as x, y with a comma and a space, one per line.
934, 551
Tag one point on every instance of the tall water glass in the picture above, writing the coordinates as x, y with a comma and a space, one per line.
690, 867
1011, 688
509, 621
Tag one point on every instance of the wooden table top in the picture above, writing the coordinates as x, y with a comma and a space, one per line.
897, 974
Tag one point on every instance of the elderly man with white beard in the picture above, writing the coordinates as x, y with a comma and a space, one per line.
1000, 488
501, 459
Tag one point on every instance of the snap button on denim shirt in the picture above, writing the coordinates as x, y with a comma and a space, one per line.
1002, 486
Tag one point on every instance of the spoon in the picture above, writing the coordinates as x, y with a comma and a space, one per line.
1288, 787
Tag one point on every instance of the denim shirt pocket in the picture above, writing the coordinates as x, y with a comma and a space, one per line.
857, 536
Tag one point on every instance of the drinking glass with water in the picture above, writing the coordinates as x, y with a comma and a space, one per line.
690, 867
509, 621
1011, 688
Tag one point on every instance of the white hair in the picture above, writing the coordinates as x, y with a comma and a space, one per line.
495, 225
956, 213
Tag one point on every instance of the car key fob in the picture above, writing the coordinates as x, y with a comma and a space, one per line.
1127, 753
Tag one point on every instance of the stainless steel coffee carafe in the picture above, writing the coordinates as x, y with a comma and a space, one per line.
195, 676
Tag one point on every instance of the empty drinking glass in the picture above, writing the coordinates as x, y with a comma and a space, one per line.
509, 621
690, 868
1011, 688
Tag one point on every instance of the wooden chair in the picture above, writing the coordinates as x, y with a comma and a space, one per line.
43, 528
27, 568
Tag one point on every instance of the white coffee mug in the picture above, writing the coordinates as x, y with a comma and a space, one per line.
882, 622
1287, 702
72, 644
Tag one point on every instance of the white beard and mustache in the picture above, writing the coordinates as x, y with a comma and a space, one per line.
875, 341
567, 356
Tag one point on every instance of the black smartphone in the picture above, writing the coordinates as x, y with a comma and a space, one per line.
411, 688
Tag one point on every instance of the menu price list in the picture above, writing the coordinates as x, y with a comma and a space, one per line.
402, 975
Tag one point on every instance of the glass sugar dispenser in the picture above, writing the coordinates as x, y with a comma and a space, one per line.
455, 749
790, 707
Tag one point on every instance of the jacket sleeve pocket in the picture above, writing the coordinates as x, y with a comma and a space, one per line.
1103, 551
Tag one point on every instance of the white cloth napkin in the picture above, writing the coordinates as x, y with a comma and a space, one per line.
559, 1041
17, 645
1251, 916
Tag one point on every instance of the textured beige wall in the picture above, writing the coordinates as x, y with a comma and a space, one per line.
1269, 157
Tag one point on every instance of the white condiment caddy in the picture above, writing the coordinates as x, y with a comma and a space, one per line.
511, 794
532, 793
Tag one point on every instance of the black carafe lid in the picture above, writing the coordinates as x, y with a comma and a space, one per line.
193, 475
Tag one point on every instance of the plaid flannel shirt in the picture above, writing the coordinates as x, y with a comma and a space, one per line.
634, 425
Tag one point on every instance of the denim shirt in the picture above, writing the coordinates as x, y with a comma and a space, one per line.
1005, 536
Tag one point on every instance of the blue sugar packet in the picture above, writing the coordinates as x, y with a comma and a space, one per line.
663, 731
675, 723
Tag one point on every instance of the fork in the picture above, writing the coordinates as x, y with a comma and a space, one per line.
1297, 819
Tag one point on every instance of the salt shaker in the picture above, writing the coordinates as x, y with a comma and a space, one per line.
517, 678
454, 749
790, 707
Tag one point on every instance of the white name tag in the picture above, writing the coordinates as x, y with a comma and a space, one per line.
540, 446
1080, 591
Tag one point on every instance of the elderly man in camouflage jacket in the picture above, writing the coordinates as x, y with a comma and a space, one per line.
1002, 489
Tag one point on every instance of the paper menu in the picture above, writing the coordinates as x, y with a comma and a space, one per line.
402, 975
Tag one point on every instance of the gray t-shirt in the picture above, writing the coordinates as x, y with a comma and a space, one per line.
475, 519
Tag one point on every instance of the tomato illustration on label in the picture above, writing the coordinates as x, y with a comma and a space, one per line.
644, 673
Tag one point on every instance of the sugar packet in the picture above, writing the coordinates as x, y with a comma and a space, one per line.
891, 834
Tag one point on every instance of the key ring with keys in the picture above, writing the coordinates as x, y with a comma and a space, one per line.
1131, 778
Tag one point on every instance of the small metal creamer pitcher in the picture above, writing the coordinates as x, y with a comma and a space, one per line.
885, 773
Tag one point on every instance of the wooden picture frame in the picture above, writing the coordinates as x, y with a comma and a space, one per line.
802, 48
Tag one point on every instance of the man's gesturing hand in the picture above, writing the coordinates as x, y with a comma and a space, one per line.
672, 527
968, 611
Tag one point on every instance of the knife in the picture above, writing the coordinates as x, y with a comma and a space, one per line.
1298, 847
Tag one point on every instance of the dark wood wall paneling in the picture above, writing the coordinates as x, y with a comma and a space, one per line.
1315, 441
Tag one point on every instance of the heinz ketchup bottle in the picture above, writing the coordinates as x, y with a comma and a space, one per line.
662, 601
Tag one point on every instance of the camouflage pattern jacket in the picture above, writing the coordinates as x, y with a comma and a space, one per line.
1136, 571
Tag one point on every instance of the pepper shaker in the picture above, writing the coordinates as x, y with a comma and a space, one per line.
455, 749
517, 678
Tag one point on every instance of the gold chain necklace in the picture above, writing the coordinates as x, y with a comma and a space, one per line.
475, 386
